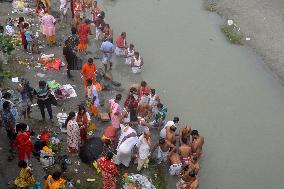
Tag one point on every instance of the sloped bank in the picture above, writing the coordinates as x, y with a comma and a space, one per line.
262, 22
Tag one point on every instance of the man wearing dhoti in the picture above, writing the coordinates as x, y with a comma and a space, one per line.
127, 141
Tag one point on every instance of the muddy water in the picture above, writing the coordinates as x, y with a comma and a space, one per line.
223, 90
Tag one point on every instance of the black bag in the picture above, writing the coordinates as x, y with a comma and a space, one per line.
52, 99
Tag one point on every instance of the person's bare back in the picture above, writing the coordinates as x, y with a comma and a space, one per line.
185, 151
197, 143
174, 158
170, 135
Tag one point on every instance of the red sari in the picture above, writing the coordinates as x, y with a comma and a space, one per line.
82, 121
22, 31
24, 145
109, 173
83, 30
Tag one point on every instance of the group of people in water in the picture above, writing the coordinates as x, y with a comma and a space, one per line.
132, 124
143, 114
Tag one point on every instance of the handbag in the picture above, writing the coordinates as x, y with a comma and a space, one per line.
52, 99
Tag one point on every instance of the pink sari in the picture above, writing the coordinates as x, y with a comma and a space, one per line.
115, 108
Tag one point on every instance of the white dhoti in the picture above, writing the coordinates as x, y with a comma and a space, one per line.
125, 150
175, 169
98, 33
160, 155
119, 51
136, 70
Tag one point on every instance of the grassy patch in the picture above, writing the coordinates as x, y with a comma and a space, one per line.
232, 34
211, 5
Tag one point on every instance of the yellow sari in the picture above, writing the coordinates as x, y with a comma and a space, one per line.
25, 178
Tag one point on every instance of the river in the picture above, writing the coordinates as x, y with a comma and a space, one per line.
223, 90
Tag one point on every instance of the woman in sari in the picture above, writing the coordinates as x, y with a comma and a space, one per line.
25, 178
95, 10
73, 133
84, 30
23, 142
109, 171
22, 31
83, 119
115, 111
48, 27
88, 4
107, 33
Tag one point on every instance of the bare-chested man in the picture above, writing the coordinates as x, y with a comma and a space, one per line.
197, 143
175, 163
162, 150
171, 135
185, 133
185, 152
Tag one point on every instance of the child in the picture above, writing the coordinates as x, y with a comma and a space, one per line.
29, 38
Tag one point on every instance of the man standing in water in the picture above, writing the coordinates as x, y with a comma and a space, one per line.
171, 134
162, 150
121, 44
175, 162
185, 152
107, 50
197, 143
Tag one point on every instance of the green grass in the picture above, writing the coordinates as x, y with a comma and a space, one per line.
232, 34
211, 5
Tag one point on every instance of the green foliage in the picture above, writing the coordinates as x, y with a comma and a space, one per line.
158, 177
211, 5
232, 33
6, 43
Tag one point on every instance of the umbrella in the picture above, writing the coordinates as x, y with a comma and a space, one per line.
91, 150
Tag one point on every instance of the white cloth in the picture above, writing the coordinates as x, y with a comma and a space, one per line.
142, 128
153, 102
137, 62
125, 133
124, 152
129, 56
163, 132
144, 99
175, 169
143, 147
71, 91
160, 155
119, 51
92, 92
98, 33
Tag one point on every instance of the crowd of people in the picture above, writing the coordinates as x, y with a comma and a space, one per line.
132, 121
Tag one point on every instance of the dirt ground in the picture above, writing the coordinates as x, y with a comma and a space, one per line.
263, 22
77, 172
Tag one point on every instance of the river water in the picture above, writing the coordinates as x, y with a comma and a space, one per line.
224, 90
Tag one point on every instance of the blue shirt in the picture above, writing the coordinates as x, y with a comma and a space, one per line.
107, 46
28, 36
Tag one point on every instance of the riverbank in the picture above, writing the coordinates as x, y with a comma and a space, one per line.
262, 22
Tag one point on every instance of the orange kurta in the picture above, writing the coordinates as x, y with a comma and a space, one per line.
88, 72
